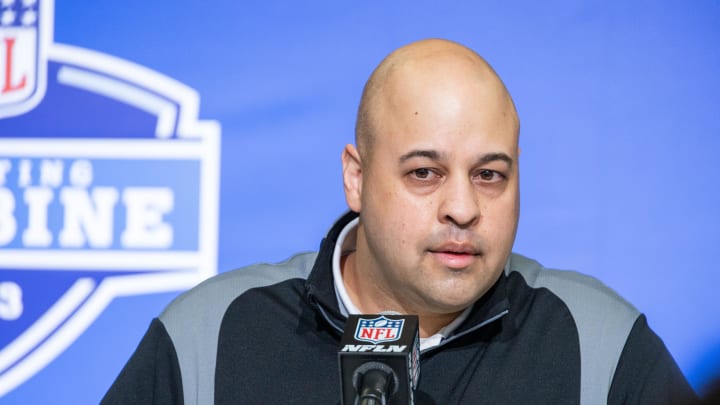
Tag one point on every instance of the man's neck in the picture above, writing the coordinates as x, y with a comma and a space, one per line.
372, 299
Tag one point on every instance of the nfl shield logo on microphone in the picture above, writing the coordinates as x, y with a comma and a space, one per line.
379, 330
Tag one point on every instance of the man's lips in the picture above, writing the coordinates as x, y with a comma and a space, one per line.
455, 255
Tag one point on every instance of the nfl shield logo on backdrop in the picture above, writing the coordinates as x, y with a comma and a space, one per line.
25, 31
379, 330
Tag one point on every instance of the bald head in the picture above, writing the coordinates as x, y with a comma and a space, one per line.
426, 70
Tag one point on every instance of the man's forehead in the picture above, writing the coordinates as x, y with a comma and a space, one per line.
466, 133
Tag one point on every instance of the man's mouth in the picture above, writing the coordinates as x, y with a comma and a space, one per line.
455, 255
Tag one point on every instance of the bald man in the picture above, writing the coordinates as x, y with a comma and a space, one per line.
432, 188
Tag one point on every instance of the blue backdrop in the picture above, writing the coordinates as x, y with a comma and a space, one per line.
619, 103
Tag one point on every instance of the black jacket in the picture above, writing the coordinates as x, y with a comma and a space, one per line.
269, 334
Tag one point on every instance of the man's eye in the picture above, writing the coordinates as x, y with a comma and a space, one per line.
490, 176
422, 173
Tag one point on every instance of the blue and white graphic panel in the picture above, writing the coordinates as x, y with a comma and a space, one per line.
108, 187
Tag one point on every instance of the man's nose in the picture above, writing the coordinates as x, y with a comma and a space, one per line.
459, 203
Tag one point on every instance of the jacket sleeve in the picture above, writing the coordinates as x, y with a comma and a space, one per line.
646, 372
152, 375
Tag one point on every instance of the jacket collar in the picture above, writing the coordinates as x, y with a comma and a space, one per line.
320, 285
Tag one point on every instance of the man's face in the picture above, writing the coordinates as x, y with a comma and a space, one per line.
439, 196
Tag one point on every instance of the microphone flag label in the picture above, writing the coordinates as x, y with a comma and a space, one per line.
109, 187
392, 340
379, 330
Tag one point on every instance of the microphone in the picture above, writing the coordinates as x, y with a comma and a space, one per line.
379, 359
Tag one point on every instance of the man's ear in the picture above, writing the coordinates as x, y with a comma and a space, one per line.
352, 177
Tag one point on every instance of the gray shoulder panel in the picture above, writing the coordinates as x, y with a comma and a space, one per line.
193, 319
603, 319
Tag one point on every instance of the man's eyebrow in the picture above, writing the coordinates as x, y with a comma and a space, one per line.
491, 157
435, 155
430, 154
